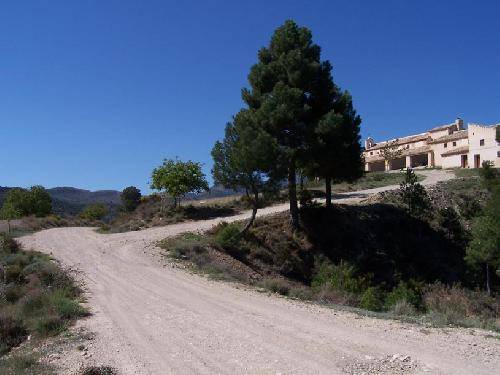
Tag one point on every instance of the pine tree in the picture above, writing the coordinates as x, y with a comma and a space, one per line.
290, 90
247, 158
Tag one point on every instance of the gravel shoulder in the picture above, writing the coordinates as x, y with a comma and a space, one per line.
150, 317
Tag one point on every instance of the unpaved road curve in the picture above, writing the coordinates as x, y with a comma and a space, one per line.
151, 318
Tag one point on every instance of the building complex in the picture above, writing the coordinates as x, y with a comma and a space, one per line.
446, 146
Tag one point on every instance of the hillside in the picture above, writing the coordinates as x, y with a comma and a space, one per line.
70, 200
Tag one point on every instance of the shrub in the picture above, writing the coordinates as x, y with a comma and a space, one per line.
8, 244
326, 294
33, 301
49, 325
65, 307
372, 299
305, 198
301, 292
403, 308
94, 212
39, 297
340, 277
457, 305
228, 236
276, 285
19, 364
98, 370
13, 273
12, 331
402, 292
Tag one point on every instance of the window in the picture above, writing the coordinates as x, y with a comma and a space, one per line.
481, 142
371, 152
445, 145
454, 144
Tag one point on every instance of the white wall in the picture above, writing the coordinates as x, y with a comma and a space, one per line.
491, 147
451, 161
439, 148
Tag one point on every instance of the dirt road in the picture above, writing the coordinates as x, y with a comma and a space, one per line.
152, 318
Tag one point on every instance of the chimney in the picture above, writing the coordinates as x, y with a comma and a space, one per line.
460, 123
369, 143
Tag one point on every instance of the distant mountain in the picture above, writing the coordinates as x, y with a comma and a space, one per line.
71, 201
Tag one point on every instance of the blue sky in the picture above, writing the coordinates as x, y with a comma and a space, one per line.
94, 94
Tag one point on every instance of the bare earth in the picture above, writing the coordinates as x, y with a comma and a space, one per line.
153, 318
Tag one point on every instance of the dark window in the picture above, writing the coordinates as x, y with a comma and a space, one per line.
371, 152
481, 142
454, 144
445, 145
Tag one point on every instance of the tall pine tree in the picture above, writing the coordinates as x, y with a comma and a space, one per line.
290, 90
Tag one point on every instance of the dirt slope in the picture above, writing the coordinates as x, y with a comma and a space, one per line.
152, 318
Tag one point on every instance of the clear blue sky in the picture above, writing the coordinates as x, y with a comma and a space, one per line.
94, 94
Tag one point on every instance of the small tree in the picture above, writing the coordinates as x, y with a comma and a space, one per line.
94, 211
178, 178
391, 151
19, 200
489, 175
449, 220
414, 194
35, 201
484, 248
9, 212
131, 197
41, 202
246, 158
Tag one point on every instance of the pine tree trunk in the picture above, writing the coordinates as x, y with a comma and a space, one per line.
328, 191
488, 289
255, 206
292, 194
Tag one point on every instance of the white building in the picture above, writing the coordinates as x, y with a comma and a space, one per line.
446, 146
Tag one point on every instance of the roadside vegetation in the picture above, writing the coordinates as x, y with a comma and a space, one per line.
37, 300
369, 180
406, 254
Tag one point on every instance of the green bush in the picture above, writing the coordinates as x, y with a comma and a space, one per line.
94, 212
372, 299
340, 277
402, 292
228, 236
49, 325
65, 307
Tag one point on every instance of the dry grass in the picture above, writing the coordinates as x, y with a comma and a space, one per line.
459, 306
